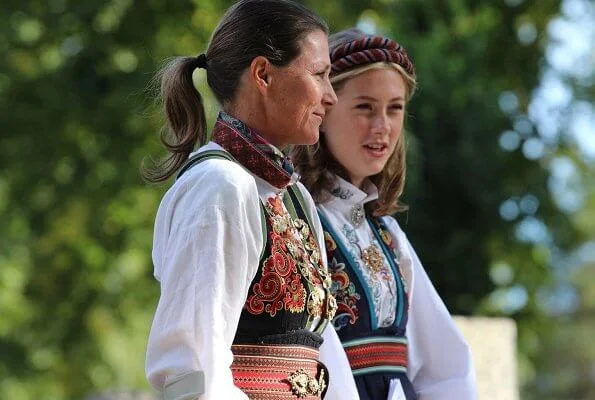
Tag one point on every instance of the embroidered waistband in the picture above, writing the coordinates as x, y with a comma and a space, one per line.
377, 354
271, 372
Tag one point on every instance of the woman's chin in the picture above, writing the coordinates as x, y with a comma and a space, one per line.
374, 169
308, 138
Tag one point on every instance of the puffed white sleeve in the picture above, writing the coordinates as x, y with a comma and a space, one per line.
332, 355
440, 364
207, 244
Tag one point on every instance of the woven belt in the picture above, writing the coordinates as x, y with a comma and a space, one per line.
377, 354
278, 372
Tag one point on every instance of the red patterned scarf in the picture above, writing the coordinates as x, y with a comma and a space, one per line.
251, 150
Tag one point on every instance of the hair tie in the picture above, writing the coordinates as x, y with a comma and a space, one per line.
201, 61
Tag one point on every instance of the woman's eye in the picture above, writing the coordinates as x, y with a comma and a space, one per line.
363, 106
396, 107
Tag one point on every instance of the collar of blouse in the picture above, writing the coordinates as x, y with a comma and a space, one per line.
349, 200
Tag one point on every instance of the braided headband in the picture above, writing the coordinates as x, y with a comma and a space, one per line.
369, 50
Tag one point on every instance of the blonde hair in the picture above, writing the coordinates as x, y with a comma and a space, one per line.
339, 80
318, 166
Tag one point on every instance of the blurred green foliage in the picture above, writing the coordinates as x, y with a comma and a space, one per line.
77, 116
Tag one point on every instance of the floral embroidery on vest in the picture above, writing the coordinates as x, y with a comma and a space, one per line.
372, 278
387, 238
280, 285
294, 254
342, 288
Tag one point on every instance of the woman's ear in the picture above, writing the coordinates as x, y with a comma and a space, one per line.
260, 73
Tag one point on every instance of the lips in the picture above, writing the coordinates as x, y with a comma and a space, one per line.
376, 149
321, 116
376, 146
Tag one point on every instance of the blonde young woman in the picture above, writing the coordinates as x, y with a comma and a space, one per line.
398, 335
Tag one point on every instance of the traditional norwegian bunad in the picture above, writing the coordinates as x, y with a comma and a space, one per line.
398, 336
248, 243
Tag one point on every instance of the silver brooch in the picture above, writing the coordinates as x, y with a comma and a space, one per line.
357, 215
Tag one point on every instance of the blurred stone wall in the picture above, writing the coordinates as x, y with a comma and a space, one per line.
493, 344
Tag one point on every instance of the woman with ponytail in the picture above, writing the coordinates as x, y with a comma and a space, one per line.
399, 338
245, 294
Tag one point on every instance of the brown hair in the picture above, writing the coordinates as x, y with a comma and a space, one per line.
318, 166
250, 28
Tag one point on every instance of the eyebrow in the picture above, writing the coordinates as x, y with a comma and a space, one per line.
322, 65
369, 98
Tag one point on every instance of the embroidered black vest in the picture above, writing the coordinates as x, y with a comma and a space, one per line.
355, 317
291, 290
377, 355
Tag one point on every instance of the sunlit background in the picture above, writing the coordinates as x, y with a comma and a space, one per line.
501, 179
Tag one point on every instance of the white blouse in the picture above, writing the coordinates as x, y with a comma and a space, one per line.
206, 250
440, 365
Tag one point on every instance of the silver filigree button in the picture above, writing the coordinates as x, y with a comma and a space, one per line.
357, 215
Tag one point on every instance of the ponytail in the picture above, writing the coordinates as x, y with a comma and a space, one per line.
186, 120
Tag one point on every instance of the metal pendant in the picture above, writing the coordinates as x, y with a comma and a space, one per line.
372, 258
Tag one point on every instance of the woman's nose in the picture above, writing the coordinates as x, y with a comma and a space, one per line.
381, 124
329, 98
